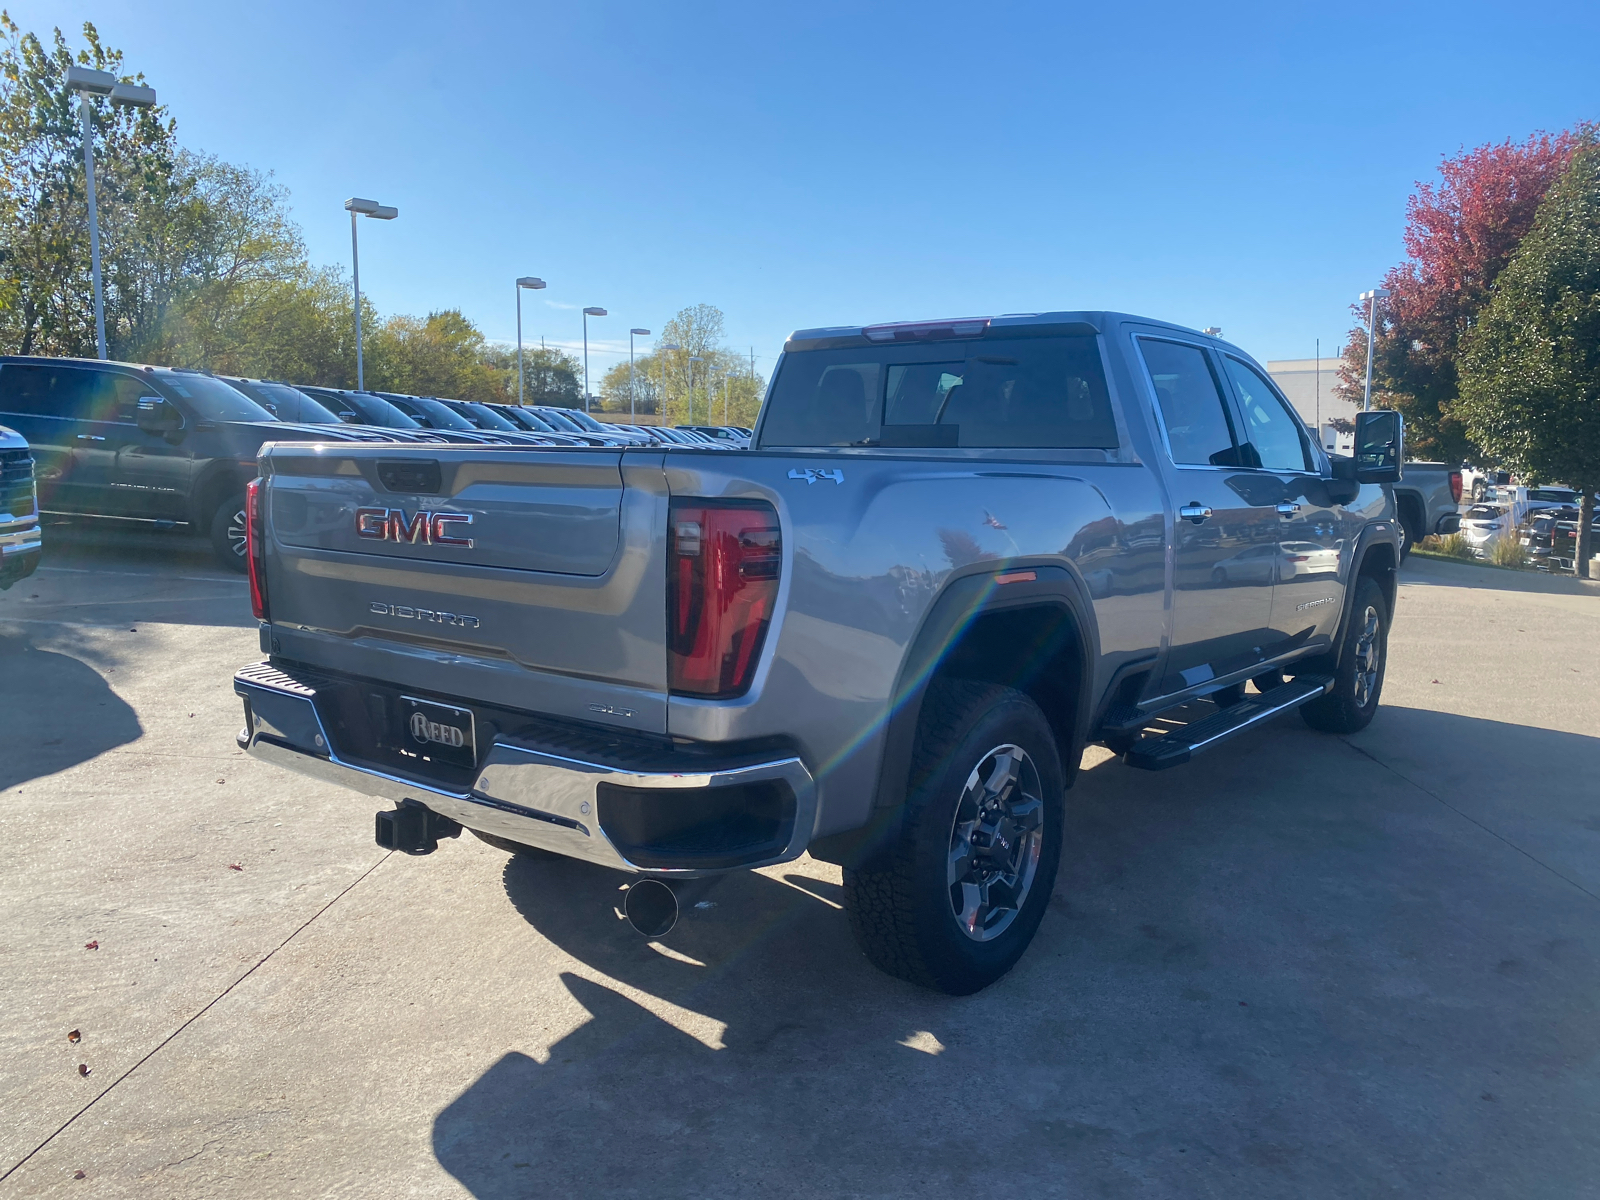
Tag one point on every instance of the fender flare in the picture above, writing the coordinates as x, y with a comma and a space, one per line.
962, 601
1370, 535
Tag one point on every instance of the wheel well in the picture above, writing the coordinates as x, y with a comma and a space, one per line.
1038, 651
1409, 507
1379, 564
212, 493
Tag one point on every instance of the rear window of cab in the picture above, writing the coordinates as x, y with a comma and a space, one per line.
1013, 393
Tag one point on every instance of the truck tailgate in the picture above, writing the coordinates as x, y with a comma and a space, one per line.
532, 578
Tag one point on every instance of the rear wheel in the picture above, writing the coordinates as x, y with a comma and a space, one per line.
965, 887
1358, 677
228, 534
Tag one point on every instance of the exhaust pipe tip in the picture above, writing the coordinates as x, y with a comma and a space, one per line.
651, 908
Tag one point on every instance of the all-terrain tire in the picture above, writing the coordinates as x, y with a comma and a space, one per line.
902, 911
1358, 676
227, 534
510, 847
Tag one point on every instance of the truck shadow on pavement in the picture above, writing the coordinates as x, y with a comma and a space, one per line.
56, 711
1285, 970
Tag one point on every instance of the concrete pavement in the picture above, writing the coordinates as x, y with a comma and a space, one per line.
1301, 965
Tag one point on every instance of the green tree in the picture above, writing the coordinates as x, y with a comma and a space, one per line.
549, 376
1530, 379
697, 332
48, 304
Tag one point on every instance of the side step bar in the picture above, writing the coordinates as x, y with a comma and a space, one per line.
1178, 747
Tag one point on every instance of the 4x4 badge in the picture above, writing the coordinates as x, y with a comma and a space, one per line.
812, 474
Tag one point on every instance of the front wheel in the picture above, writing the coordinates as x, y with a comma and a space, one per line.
966, 885
1358, 676
228, 540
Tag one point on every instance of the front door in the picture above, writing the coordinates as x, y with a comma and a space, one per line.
1225, 552
149, 472
1314, 540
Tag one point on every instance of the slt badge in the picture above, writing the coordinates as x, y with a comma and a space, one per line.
812, 474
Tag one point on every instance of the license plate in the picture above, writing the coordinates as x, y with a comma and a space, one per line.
438, 732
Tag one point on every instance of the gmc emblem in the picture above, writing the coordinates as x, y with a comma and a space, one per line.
426, 528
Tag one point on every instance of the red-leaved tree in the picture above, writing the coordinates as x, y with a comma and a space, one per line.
1460, 234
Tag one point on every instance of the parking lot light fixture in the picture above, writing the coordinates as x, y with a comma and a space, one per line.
532, 284
632, 398
587, 313
1370, 299
88, 82
356, 206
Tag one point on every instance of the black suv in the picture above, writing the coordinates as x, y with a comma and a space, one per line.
151, 444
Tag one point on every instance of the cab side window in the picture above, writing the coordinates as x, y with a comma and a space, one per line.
1199, 430
47, 391
1274, 431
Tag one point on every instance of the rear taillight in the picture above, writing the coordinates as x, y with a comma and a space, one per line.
254, 536
724, 560
1455, 486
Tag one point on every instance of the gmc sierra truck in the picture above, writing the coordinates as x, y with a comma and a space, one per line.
956, 553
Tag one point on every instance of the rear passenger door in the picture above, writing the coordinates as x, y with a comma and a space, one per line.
42, 402
1225, 552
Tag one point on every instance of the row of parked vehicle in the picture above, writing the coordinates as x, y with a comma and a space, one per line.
173, 447
1543, 519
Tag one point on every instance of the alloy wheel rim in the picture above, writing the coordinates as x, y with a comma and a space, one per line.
237, 537
1368, 656
995, 842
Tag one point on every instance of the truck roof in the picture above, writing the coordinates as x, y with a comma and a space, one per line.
1067, 322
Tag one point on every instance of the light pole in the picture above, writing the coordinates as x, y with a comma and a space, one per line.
533, 285
364, 208
661, 406
693, 358
87, 82
587, 313
1371, 299
632, 333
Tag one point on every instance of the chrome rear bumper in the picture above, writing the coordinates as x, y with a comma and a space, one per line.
529, 796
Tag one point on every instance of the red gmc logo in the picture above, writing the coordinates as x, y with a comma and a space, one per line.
425, 529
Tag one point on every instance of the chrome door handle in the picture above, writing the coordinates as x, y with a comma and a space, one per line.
1288, 510
1195, 512
90, 437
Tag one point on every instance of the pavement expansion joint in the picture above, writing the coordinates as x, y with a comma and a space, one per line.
209, 1004
1529, 855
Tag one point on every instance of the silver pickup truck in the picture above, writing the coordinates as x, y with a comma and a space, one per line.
956, 553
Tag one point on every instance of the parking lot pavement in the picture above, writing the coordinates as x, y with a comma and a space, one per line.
1303, 965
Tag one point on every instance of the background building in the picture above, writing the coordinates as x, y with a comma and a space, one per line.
1309, 384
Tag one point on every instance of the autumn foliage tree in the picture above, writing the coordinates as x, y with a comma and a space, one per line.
1461, 233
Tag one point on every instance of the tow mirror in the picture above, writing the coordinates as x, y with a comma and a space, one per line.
158, 416
1379, 449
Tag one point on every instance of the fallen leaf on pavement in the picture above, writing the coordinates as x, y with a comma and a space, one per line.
83, 1068
74, 1036
94, 945
235, 867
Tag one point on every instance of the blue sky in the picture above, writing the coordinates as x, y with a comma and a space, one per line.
1244, 166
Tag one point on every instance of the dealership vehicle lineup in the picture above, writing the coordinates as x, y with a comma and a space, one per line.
1024, 529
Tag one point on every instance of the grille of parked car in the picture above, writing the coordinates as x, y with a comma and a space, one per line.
16, 482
